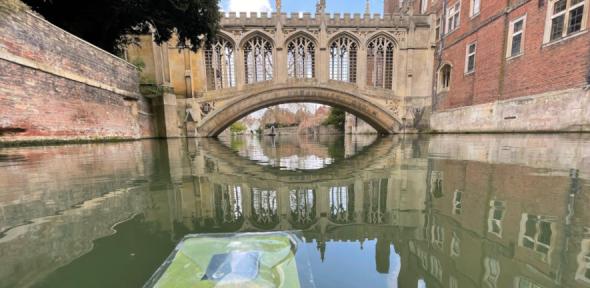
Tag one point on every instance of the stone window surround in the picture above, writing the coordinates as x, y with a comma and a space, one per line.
549, 17
440, 78
511, 37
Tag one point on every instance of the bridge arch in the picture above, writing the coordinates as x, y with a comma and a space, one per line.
223, 116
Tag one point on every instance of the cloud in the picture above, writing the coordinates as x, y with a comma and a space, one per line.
249, 6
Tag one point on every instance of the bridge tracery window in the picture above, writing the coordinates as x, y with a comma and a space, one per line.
380, 63
301, 58
265, 207
302, 204
258, 60
219, 63
343, 54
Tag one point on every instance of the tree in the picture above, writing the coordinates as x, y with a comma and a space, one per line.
337, 118
238, 128
108, 24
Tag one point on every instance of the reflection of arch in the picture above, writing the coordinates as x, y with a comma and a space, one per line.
264, 208
302, 204
374, 114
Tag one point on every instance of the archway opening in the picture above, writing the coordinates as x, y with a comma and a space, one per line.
299, 136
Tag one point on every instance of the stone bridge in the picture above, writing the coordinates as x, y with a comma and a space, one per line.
377, 67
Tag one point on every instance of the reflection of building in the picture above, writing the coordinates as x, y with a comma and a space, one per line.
471, 214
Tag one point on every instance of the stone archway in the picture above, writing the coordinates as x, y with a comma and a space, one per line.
379, 117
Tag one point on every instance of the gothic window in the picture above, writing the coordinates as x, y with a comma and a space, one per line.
380, 63
219, 58
343, 53
444, 75
301, 58
258, 60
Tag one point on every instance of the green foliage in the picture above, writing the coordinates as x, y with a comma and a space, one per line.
139, 63
337, 118
238, 128
108, 23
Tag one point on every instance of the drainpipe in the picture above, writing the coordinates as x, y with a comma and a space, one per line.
439, 52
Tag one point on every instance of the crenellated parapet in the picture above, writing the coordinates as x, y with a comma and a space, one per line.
336, 20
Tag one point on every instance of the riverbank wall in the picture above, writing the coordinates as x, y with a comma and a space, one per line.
55, 86
560, 111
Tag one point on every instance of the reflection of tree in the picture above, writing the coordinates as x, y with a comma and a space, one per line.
264, 206
375, 199
302, 202
342, 204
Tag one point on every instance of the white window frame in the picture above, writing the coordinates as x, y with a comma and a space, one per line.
457, 202
496, 206
546, 257
467, 55
423, 6
455, 9
566, 12
472, 11
512, 34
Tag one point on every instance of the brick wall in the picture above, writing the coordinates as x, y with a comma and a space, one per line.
541, 68
56, 86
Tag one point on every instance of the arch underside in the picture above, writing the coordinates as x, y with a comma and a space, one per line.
375, 115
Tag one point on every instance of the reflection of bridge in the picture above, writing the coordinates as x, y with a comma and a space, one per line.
378, 67
236, 194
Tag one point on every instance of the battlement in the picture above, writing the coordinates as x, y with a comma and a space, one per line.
333, 20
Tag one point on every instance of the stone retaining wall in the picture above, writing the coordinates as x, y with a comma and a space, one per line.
55, 86
562, 111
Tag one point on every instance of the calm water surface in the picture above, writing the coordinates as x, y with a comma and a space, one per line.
441, 211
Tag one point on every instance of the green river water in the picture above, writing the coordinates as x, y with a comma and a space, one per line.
398, 211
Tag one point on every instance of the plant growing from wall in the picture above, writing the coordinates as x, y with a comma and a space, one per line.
108, 23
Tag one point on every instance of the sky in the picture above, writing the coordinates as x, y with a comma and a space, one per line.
333, 6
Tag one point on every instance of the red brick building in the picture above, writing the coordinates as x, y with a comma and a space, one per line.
514, 65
